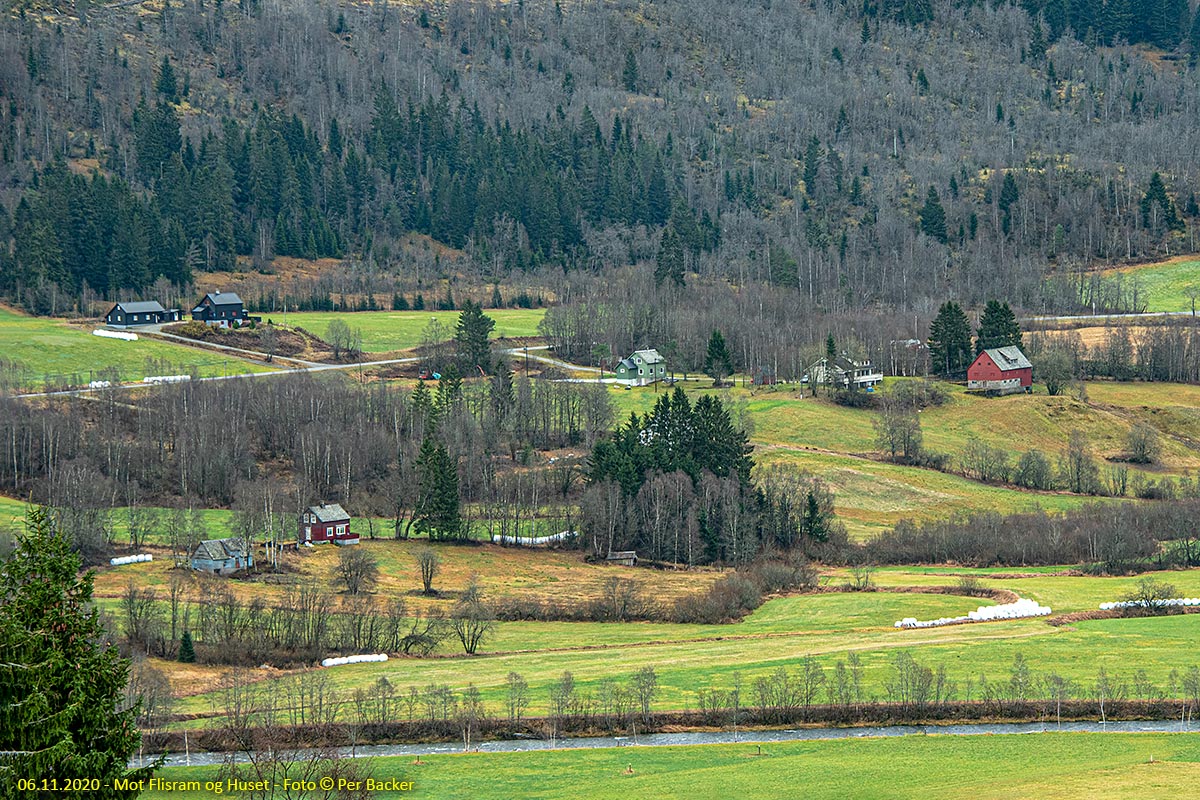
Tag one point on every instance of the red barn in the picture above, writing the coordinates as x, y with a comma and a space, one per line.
1001, 370
326, 523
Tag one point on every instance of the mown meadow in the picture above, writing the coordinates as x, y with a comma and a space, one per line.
1067, 766
388, 331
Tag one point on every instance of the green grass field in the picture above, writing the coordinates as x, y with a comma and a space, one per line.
1164, 285
58, 351
1066, 766
387, 331
829, 627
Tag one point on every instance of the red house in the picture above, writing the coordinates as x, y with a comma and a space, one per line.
1001, 370
326, 523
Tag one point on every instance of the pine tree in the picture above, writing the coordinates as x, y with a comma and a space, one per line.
438, 510
1158, 209
1008, 197
718, 363
62, 710
187, 651
471, 337
167, 85
334, 143
629, 75
670, 260
998, 327
812, 163
950, 340
933, 217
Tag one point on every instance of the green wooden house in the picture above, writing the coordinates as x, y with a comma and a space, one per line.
643, 367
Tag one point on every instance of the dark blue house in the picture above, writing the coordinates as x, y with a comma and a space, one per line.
223, 309
142, 312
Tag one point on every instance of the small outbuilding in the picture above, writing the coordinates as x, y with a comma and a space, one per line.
139, 312
1000, 370
643, 367
222, 556
326, 523
622, 558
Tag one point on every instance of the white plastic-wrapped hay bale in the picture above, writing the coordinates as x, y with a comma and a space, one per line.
121, 561
1023, 608
369, 658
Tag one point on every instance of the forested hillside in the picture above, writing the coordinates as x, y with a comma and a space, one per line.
848, 157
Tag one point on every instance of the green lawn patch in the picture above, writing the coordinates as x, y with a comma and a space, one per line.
60, 352
387, 331
1067, 766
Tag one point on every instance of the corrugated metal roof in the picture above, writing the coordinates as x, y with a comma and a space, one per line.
221, 549
331, 512
140, 307
1008, 358
223, 298
650, 356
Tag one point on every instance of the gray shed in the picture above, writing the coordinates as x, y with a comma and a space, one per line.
222, 556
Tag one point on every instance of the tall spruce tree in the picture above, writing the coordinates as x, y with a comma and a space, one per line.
62, 709
438, 513
629, 75
950, 341
670, 261
718, 363
933, 217
471, 337
997, 328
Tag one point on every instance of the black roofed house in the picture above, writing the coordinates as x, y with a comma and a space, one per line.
327, 522
222, 556
140, 312
223, 309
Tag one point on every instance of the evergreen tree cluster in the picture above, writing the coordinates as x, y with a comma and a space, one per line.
998, 327
674, 435
77, 231
272, 188
462, 175
1162, 23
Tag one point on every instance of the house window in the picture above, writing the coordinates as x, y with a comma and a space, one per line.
341, 529
641, 371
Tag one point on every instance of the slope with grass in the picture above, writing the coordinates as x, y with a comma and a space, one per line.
791, 427
1165, 285
1067, 766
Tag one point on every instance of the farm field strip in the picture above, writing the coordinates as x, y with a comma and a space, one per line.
1122, 646
55, 348
1067, 766
388, 331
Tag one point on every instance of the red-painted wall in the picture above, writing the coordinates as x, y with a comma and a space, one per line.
326, 531
984, 369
